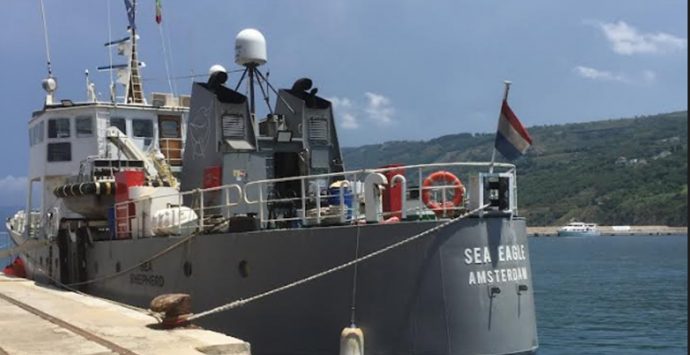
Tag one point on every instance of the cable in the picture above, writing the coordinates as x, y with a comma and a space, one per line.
45, 39
165, 59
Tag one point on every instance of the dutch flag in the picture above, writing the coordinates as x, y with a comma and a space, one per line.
512, 139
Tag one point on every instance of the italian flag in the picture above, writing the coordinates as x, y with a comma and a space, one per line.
159, 13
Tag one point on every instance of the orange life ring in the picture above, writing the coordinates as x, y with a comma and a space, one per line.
447, 178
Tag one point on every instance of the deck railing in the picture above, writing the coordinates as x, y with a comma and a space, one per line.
323, 199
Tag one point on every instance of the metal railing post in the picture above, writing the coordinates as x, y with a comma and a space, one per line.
304, 203
201, 210
226, 191
318, 203
343, 211
261, 204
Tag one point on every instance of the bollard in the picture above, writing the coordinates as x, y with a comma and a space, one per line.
177, 307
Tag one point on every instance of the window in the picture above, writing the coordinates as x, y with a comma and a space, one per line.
59, 151
142, 128
84, 126
41, 129
120, 123
58, 128
169, 129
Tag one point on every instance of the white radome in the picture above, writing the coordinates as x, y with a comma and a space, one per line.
216, 68
250, 47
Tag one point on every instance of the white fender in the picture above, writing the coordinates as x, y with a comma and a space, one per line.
372, 196
352, 341
403, 193
52, 226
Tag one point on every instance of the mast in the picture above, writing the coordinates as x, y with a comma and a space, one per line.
134, 92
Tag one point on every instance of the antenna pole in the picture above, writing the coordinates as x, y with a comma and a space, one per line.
264, 93
135, 91
268, 84
252, 108
45, 39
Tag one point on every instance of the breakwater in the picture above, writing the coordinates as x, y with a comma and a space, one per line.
552, 231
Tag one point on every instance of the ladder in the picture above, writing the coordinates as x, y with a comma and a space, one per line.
135, 91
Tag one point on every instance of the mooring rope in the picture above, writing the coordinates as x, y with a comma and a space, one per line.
243, 301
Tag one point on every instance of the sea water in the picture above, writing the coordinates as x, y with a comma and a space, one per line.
605, 295
611, 295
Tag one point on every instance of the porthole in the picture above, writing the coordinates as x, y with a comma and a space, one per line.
187, 267
243, 268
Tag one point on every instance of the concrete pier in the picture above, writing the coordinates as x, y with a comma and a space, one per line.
552, 231
36, 319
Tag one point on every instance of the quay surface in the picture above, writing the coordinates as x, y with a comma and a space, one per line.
552, 231
38, 319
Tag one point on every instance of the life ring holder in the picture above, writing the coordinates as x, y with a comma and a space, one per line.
447, 178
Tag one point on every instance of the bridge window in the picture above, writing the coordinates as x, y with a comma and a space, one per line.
119, 123
40, 130
169, 128
84, 126
142, 128
59, 151
36, 134
58, 128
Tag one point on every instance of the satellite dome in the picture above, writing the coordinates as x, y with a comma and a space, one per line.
216, 68
250, 48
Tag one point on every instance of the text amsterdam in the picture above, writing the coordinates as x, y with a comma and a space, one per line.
504, 253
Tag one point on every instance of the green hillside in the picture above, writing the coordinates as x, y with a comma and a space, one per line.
612, 172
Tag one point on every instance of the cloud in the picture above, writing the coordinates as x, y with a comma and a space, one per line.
596, 74
626, 40
649, 76
345, 112
379, 109
349, 121
13, 191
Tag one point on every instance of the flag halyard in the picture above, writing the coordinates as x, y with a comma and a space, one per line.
159, 12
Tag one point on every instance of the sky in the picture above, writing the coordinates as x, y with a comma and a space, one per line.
394, 69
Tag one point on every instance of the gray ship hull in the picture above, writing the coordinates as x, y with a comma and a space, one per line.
453, 292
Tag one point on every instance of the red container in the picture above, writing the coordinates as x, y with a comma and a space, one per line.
125, 212
126, 179
392, 196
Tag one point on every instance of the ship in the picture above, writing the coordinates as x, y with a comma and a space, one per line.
259, 221
579, 229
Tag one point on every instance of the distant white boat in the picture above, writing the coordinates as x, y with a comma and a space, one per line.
579, 229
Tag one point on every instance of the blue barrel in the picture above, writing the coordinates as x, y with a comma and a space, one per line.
334, 198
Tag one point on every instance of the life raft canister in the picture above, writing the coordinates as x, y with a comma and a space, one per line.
447, 178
